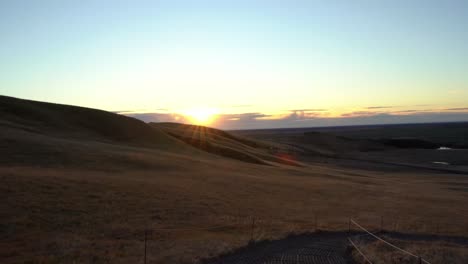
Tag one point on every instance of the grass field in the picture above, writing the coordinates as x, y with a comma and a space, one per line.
86, 197
434, 249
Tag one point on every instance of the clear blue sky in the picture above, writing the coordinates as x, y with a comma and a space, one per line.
269, 56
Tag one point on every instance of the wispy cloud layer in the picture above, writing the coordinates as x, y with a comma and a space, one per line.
379, 107
458, 109
307, 110
318, 117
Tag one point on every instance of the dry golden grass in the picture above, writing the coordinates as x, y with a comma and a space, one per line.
70, 193
435, 250
64, 215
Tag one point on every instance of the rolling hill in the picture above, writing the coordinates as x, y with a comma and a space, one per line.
44, 133
227, 145
81, 185
77, 122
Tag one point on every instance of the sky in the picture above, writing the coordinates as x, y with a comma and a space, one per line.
242, 64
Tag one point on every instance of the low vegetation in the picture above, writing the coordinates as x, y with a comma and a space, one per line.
436, 250
73, 194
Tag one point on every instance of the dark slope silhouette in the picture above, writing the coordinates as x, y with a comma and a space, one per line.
222, 143
41, 133
331, 144
46, 134
78, 122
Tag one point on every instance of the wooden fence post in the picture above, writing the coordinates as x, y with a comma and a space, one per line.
315, 220
253, 227
146, 235
381, 223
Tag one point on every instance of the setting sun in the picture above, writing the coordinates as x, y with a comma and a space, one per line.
201, 116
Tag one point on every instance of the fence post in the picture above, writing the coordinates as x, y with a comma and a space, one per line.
381, 223
253, 227
146, 235
349, 225
315, 222
420, 260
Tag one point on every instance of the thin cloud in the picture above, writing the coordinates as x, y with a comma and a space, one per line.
379, 107
457, 109
141, 111
408, 111
159, 117
251, 116
303, 115
307, 110
359, 113
125, 111
258, 120
414, 111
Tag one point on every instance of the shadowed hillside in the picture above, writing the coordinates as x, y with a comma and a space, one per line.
79, 122
45, 134
330, 144
222, 143
41, 133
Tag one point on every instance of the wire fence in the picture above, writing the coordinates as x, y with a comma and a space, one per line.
152, 239
250, 229
366, 258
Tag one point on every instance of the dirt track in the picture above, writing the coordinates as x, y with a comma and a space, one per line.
321, 248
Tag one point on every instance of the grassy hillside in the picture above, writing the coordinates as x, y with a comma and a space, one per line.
415, 145
227, 145
75, 191
58, 215
77, 122
45, 134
